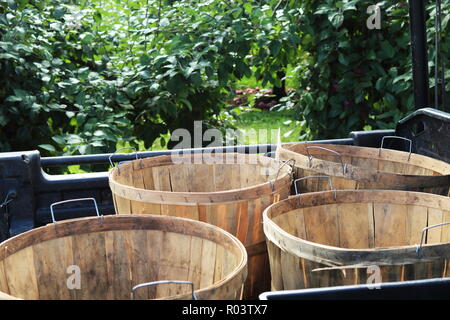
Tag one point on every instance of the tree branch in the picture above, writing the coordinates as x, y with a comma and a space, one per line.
277, 7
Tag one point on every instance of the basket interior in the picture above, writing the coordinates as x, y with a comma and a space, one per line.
383, 160
365, 225
198, 177
112, 262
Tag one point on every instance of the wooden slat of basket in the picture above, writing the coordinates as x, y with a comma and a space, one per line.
355, 227
143, 260
22, 282
57, 253
3, 281
417, 218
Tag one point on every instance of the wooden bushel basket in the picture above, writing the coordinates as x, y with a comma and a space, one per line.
227, 190
346, 237
352, 167
119, 257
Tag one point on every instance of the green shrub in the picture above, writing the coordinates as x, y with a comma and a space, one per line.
56, 90
198, 50
89, 76
355, 78
85, 78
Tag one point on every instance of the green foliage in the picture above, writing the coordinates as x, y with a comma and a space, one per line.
91, 75
261, 127
353, 77
56, 90
84, 78
197, 51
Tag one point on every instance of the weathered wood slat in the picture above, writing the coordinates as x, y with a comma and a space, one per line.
390, 224
52, 259
90, 256
321, 224
292, 272
219, 263
275, 266
180, 177
435, 216
174, 264
416, 220
143, 261
446, 273
355, 227
445, 232
118, 265
3, 282
195, 258
124, 206
207, 263
161, 178
21, 274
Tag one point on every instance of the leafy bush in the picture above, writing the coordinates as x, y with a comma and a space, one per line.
90, 76
355, 78
57, 91
83, 78
197, 51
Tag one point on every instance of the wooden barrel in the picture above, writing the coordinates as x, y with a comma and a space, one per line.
226, 190
105, 257
354, 167
346, 237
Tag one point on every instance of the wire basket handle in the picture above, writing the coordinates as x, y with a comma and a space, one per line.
73, 200
147, 284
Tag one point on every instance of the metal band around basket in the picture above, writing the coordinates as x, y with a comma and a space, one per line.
344, 166
396, 137
419, 248
147, 284
308, 177
73, 200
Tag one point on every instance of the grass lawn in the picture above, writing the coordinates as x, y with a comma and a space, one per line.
248, 119
266, 124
